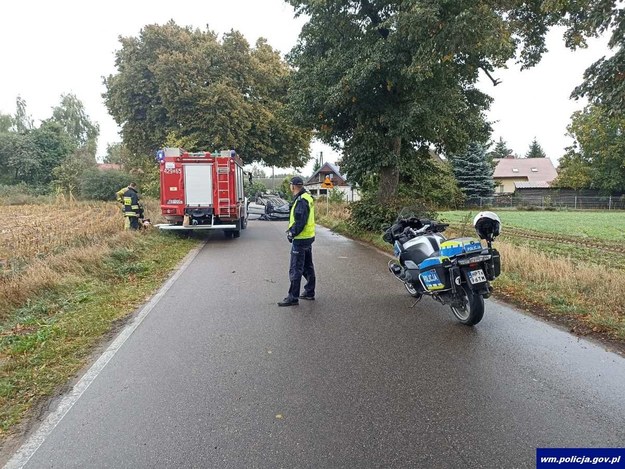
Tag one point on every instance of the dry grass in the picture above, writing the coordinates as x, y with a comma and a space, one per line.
42, 244
332, 213
587, 293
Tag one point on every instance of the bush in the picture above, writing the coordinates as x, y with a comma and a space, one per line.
336, 196
23, 194
102, 185
370, 215
254, 188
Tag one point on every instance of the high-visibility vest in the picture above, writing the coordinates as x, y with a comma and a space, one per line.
309, 229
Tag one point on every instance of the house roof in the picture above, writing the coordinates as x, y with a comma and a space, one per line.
534, 169
327, 166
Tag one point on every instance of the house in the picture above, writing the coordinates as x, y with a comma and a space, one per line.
513, 173
313, 184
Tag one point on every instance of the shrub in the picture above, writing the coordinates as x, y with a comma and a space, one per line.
102, 185
336, 195
23, 194
370, 215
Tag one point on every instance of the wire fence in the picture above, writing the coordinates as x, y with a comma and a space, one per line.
575, 202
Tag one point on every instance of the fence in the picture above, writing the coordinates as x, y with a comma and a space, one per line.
575, 202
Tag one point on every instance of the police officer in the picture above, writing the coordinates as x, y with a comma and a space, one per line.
301, 235
132, 209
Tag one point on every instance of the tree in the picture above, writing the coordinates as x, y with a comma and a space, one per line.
183, 85
20, 157
54, 146
71, 115
118, 153
102, 185
386, 78
22, 122
574, 172
258, 172
535, 150
473, 172
597, 158
69, 174
317, 166
6, 122
604, 80
501, 150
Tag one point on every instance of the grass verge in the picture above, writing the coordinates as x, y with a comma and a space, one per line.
79, 297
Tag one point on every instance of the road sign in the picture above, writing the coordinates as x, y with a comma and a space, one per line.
327, 183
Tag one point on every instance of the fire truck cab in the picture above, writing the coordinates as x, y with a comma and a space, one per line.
202, 191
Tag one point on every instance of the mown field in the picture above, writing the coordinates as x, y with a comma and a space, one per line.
69, 276
568, 267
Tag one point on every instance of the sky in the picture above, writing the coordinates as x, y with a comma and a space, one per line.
67, 46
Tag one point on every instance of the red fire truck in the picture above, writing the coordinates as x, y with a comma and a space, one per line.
202, 191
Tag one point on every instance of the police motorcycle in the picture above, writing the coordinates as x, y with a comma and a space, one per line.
455, 272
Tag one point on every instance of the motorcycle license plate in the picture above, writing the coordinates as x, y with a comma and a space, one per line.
477, 276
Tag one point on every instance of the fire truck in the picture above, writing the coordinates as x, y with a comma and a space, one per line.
202, 191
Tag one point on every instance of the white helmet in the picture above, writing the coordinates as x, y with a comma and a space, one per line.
487, 225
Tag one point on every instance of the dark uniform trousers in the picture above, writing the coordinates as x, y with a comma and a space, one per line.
301, 264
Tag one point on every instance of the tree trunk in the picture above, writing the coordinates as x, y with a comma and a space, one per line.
389, 175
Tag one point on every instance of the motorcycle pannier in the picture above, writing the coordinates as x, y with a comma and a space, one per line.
434, 274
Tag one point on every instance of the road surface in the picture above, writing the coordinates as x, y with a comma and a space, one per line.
217, 375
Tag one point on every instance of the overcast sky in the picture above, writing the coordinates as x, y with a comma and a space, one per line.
67, 46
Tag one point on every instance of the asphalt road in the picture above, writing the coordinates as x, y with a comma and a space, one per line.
217, 375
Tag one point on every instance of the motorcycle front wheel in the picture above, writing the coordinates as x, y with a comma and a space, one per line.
469, 309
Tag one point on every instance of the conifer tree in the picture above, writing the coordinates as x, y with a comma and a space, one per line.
535, 150
473, 172
501, 150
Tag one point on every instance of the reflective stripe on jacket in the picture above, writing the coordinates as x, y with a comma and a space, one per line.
309, 228
131, 203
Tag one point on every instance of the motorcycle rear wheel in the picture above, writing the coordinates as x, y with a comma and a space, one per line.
412, 290
472, 310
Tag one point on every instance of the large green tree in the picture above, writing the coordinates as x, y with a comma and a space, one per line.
20, 158
597, 158
386, 77
183, 86
574, 171
71, 115
54, 146
30, 154
604, 81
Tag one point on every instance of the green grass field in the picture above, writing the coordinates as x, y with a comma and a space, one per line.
608, 226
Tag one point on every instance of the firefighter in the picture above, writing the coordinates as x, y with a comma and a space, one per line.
129, 197
301, 235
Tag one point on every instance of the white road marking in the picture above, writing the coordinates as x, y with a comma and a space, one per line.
28, 449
